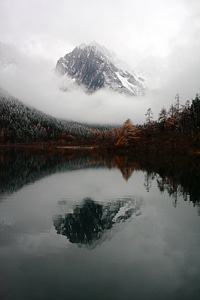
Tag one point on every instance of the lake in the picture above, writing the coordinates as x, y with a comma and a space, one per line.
83, 226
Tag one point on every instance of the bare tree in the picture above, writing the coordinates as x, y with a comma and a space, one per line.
162, 115
149, 116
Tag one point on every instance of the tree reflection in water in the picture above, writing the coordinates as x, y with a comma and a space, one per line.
177, 175
91, 220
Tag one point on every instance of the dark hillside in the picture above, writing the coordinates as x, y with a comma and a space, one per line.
22, 124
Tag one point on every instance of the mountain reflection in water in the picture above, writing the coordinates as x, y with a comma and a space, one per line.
92, 221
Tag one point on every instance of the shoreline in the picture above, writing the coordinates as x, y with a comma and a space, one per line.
45, 145
119, 150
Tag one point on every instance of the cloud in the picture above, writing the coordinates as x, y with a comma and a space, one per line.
42, 31
131, 28
33, 81
184, 60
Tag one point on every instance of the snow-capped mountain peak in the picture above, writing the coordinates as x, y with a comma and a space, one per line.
94, 67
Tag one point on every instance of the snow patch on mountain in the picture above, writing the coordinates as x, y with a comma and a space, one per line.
129, 86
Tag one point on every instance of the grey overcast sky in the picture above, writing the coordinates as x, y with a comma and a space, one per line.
129, 27
47, 29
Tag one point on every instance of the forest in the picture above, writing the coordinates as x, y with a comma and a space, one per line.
175, 131
21, 124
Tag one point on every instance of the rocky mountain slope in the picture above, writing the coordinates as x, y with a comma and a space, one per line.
94, 67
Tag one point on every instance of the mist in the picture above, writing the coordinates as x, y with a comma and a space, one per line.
32, 80
161, 30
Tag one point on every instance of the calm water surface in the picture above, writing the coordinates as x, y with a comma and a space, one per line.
75, 229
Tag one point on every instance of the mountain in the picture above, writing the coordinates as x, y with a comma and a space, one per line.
94, 67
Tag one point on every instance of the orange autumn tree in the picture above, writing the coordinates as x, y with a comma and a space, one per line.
126, 134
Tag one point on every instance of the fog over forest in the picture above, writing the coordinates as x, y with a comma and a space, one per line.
164, 43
